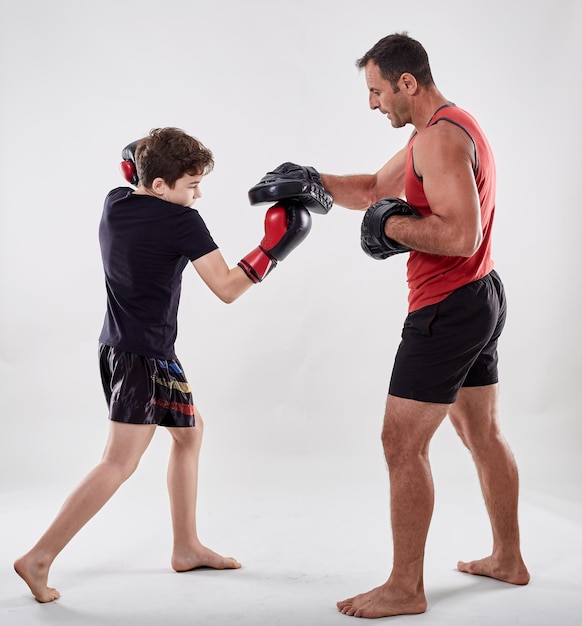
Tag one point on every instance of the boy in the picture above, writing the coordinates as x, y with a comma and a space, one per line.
147, 237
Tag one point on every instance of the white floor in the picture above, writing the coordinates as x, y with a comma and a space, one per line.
305, 542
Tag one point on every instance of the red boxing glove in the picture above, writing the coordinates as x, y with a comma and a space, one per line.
128, 166
286, 226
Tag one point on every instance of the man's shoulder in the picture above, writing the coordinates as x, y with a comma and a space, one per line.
457, 116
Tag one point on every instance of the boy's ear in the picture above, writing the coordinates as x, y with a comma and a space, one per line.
159, 186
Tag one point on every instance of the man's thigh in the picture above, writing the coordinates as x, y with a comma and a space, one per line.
475, 413
410, 424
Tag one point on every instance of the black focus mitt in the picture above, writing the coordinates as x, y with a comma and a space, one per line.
374, 241
293, 182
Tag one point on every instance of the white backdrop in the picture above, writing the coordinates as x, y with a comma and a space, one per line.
291, 379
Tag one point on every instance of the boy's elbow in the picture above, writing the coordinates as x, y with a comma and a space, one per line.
228, 298
232, 292
229, 289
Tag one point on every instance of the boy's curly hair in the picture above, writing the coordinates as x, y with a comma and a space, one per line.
170, 153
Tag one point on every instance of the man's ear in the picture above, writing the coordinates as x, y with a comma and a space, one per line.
408, 83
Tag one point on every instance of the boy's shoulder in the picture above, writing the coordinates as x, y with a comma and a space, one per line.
119, 193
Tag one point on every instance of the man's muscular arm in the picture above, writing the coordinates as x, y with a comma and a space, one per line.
359, 191
444, 158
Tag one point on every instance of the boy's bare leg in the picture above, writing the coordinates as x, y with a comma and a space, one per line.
124, 448
474, 416
408, 429
188, 553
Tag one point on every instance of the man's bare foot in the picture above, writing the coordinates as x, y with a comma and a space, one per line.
35, 575
382, 602
514, 571
201, 556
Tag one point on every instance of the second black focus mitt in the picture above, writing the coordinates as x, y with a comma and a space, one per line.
374, 241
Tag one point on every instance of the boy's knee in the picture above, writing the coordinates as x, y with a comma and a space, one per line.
123, 470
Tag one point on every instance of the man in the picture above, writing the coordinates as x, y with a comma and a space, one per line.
447, 361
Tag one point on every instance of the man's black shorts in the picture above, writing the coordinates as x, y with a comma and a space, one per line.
451, 344
145, 390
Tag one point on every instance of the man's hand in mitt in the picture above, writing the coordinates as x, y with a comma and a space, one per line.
374, 241
294, 182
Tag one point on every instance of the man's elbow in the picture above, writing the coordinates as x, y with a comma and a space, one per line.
469, 245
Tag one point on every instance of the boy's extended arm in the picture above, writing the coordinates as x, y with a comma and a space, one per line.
226, 283
286, 226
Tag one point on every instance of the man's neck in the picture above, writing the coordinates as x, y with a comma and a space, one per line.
426, 106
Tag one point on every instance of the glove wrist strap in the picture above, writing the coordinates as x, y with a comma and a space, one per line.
257, 264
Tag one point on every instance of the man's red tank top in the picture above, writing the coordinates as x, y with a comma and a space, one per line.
431, 278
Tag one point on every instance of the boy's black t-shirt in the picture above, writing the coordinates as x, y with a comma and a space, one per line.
145, 245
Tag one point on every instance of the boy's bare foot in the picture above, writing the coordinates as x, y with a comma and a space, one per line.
382, 602
201, 557
514, 571
35, 575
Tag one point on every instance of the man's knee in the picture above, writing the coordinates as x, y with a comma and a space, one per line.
392, 437
409, 426
398, 439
